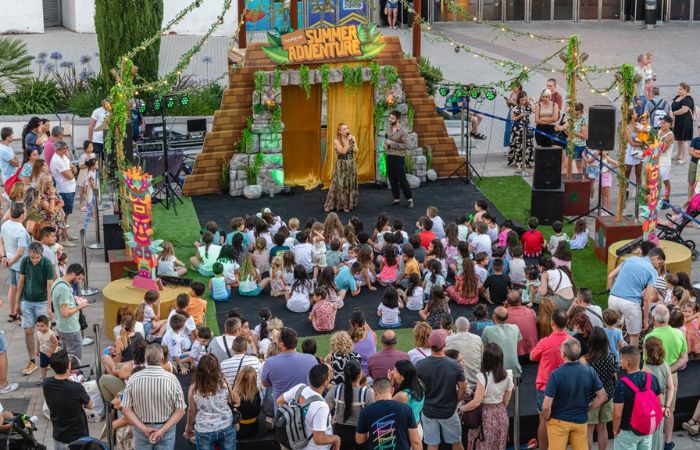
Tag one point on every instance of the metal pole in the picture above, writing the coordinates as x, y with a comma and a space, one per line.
97, 245
86, 291
516, 413
98, 371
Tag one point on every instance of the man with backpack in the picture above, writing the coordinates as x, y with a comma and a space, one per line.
637, 410
656, 108
303, 419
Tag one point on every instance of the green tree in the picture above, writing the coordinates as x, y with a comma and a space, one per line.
14, 63
121, 26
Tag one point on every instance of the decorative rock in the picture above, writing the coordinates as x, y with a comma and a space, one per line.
413, 181
366, 74
420, 173
238, 175
284, 78
255, 147
293, 77
263, 117
413, 141
335, 76
239, 161
252, 191
419, 160
236, 187
403, 109
431, 174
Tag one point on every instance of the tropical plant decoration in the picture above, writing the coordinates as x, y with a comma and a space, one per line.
432, 75
324, 71
276, 119
374, 71
352, 77
428, 153
379, 111
411, 117
276, 78
14, 63
245, 144
252, 170
391, 75
225, 176
304, 80
409, 164
259, 79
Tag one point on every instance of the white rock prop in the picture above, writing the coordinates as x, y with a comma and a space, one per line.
431, 175
413, 181
252, 191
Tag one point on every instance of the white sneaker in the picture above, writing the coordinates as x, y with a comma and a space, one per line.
9, 388
87, 341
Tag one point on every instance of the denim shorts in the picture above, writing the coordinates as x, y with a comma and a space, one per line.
540, 400
578, 152
2, 342
44, 360
451, 429
32, 310
387, 325
68, 198
14, 277
224, 439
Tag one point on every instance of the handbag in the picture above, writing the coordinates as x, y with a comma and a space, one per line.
472, 419
235, 413
12, 180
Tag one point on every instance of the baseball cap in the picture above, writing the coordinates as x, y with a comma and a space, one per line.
437, 339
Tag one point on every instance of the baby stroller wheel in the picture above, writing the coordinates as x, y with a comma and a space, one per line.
693, 254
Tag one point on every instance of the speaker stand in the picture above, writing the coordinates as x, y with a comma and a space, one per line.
599, 204
465, 147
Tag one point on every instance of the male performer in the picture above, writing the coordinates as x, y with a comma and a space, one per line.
395, 142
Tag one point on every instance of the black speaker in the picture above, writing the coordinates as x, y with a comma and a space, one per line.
547, 168
548, 204
112, 234
601, 127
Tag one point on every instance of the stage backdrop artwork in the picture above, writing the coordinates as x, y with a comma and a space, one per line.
145, 250
651, 206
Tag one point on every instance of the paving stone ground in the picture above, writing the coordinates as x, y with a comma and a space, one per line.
608, 43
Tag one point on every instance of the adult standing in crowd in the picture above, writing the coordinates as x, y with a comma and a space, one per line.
387, 419
14, 240
445, 385
221, 346
676, 356
494, 386
656, 365
682, 110
380, 362
317, 420
68, 310
507, 336
520, 118
526, 321
50, 144
694, 151
584, 299
209, 414
66, 400
97, 119
395, 144
342, 193
63, 173
548, 353
546, 115
348, 399
289, 368
363, 337
633, 290
556, 96
566, 404
410, 389
153, 403
604, 364
9, 162
421, 333
469, 345
36, 275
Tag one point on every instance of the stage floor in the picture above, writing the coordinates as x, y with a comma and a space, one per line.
452, 198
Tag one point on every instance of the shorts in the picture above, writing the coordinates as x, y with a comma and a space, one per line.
44, 360
606, 179
450, 429
3, 348
540, 400
390, 5
578, 152
32, 310
14, 277
692, 171
630, 311
665, 173
602, 414
68, 198
147, 326
389, 325
318, 260
672, 405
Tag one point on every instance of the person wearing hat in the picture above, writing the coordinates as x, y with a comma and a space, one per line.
666, 140
441, 375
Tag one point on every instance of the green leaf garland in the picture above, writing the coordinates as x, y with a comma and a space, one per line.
324, 71
304, 81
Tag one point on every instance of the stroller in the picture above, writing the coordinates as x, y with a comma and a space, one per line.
673, 232
21, 435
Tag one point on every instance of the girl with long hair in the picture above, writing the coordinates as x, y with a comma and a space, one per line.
32, 137
209, 415
451, 243
389, 268
348, 398
333, 227
206, 255
342, 193
437, 306
363, 337
465, 291
249, 401
411, 389
326, 281
29, 159
582, 330
250, 283
298, 296
168, 264
599, 358
544, 317
494, 386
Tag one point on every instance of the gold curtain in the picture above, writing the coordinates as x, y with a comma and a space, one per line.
356, 110
301, 139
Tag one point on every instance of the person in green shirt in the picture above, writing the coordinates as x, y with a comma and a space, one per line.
506, 336
676, 349
35, 277
68, 309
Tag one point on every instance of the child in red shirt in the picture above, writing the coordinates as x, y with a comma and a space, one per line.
424, 224
532, 240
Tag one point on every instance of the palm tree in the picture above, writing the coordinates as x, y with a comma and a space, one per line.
14, 63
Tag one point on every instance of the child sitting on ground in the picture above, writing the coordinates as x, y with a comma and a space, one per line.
197, 306
335, 257
506, 226
250, 282
289, 264
323, 312
303, 252
220, 291
168, 264
497, 284
199, 347
277, 284
438, 223
389, 267
463, 227
437, 251
481, 319
398, 228
388, 310
298, 295
425, 233
516, 267
345, 281
419, 252
46, 344
532, 284
237, 227
433, 277
261, 255
148, 312
562, 255
532, 241
318, 255
368, 274
557, 237
580, 239
413, 296
480, 241
436, 308
492, 230
227, 258
280, 247
480, 208
293, 226
213, 228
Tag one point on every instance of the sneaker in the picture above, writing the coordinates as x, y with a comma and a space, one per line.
68, 244
694, 437
691, 427
31, 367
83, 208
87, 341
669, 445
9, 388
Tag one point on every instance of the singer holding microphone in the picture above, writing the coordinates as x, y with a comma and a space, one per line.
342, 194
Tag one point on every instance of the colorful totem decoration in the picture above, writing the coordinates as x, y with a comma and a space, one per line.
651, 206
145, 251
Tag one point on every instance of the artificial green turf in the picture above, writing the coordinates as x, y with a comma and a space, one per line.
403, 335
182, 230
511, 195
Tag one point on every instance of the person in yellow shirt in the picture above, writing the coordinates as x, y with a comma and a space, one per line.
197, 307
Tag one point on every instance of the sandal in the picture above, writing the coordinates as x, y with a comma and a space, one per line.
13, 318
477, 136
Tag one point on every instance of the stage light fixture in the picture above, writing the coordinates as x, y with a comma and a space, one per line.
170, 103
142, 107
444, 91
185, 100
157, 104
474, 93
490, 94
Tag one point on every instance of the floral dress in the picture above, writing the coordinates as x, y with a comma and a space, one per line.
342, 193
692, 335
516, 137
438, 309
58, 217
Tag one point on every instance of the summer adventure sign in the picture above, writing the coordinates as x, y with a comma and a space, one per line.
324, 44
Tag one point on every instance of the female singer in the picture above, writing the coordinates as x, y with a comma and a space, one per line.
343, 190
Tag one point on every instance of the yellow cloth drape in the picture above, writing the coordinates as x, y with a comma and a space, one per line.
356, 110
301, 139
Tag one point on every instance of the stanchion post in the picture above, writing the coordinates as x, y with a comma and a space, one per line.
86, 291
97, 245
516, 414
98, 371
